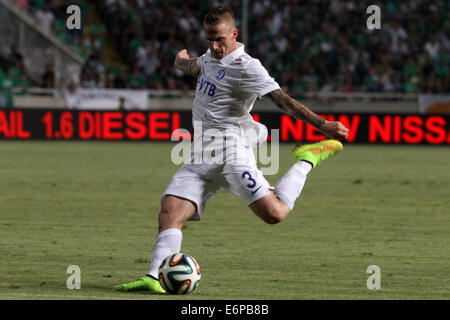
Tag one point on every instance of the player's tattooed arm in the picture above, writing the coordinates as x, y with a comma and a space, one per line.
187, 64
295, 108
333, 129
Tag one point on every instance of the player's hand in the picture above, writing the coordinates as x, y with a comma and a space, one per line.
187, 64
334, 130
182, 55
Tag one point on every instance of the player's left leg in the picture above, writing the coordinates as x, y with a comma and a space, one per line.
248, 182
274, 207
270, 208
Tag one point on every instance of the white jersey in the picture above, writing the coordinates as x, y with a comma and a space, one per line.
228, 88
225, 94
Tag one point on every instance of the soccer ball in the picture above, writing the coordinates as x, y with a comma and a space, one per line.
179, 274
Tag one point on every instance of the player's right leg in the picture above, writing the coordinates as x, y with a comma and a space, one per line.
175, 211
184, 199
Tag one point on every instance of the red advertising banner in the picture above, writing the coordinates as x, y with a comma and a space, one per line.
48, 124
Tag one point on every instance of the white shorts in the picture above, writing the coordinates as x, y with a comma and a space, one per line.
199, 182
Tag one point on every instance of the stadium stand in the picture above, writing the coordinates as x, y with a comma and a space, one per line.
307, 46
327, 45
12, 72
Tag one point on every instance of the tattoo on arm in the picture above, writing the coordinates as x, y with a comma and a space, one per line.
295, 108
188, 66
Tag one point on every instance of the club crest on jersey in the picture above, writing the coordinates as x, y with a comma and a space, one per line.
220, 74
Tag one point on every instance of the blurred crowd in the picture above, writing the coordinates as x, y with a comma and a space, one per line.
307, 45
12, 72
326, 45
50, 17
149, 33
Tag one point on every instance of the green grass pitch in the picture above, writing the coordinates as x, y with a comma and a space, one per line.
95, 205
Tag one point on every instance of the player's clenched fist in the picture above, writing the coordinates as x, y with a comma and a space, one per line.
182, 55
334, 129
186, 64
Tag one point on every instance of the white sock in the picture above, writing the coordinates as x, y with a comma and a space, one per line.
290, 186
167, 242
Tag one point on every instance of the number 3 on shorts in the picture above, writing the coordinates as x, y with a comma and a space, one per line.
252, 181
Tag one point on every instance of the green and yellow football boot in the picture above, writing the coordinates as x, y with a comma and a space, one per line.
146, 283
317, 152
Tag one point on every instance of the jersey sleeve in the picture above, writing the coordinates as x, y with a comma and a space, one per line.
200, 60
256, 80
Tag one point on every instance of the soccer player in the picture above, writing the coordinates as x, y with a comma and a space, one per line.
229, 81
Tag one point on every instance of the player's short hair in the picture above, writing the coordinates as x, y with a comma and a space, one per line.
218, 14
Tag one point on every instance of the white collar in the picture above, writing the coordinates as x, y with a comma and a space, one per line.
231, 56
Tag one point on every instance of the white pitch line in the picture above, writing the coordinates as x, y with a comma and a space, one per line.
65, 296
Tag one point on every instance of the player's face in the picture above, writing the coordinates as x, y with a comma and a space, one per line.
221, 39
